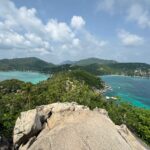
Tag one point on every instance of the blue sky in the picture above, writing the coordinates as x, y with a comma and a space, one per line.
57, 30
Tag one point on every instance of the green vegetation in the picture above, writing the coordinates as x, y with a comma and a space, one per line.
93, 65
90, 61
136, 119
88, 78
129, 69
78, 86
25, 64
139, 69
17, 96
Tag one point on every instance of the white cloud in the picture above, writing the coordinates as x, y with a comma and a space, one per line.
20, 18
59, 31
76, 42
77, 22
129, 39
140, 15
27, 42
35, 41
11, 39
92, 39
21, 29
24, 23
137, 11
24, 33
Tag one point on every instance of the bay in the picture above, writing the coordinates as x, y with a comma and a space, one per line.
33, 77
135, 90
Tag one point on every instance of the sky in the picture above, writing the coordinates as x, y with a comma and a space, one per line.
59, 30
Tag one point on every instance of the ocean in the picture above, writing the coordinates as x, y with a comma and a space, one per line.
135, 90
33, 77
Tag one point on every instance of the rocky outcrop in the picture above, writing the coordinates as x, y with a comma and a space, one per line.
68, 126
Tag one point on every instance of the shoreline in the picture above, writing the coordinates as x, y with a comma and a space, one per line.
106, 88
34, 71
107, 92
144, 77
25, 76
26, 71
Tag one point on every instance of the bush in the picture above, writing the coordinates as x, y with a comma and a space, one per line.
67, 87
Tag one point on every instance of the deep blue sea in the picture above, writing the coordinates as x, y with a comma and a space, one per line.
135, 90
33, 77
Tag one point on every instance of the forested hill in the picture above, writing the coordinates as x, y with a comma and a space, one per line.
92, 65
106, 67
25, 64
89, 61
131, 69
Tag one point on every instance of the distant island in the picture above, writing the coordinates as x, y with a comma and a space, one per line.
93, 65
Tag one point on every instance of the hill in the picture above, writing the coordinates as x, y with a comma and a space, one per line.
69, 86
129, 69
92, 65
69, 62
89, 61
25, 64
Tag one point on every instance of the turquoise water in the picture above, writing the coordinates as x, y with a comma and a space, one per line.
135, 90
33, 77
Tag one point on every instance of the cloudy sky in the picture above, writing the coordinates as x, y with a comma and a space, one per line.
58, 30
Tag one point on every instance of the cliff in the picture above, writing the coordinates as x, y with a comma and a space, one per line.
69, 126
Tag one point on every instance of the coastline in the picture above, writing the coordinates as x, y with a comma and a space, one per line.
32, 71
106, 88
144, 77
130, 97
25, 76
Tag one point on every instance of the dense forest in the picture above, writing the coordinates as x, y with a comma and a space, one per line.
128, 69
25, 64
93, 65
89, 61
78, 86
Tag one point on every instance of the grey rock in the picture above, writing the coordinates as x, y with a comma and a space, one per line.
69, 126
27, 125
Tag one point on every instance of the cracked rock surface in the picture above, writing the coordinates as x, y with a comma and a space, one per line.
69, 126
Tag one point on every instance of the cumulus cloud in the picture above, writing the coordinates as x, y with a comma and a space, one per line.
10, 39
59, 31
77, 22
22, 31
20, 28
129, 39
20, 18
137, 11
